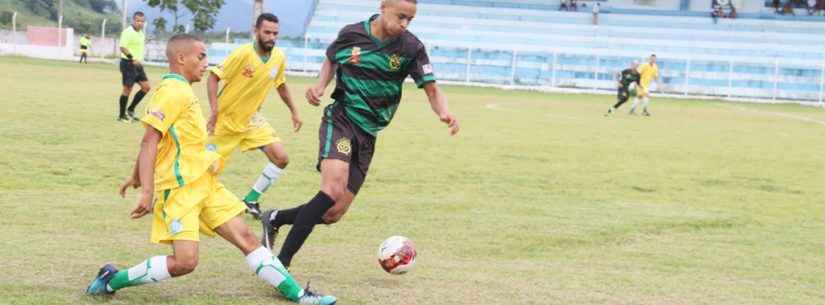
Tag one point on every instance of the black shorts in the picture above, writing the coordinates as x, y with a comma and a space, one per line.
623, 94
131, 73
339, 138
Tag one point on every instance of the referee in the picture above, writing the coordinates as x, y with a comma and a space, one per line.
132, 44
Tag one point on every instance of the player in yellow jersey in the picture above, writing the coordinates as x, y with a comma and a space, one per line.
648, 71
180, 188
249, 73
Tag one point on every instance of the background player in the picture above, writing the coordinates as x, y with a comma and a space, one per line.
648, 71
626, 78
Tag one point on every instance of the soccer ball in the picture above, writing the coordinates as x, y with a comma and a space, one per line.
396, 255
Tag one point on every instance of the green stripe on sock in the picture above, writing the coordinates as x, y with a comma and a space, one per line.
252, 196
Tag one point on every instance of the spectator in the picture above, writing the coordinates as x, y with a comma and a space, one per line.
787, 9
776, 4
596, 9
731, 11
716, 12
811, 7
564, 6
574, 6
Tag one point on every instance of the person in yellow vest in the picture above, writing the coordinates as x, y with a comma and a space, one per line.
249, 73
85, 46
179, 187
132, 47
648, 71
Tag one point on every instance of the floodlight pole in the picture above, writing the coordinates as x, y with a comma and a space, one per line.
14, 30
102, 34
124, 13
60, 23
257, 10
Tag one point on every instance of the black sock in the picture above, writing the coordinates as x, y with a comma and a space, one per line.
123, 100
136, 100
286, 217
619, 104
305, 220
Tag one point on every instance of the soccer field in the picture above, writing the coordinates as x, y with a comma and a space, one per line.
539, 200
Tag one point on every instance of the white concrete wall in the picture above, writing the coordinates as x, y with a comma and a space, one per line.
666, 5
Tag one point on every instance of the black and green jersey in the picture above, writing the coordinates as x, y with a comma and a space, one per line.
370, 73
629, 76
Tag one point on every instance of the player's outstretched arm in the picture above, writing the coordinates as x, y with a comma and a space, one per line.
212, 92
286, 97
146, 171
438, 103
315, 93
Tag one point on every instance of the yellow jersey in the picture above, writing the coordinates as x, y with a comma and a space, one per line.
182, 153
648, 72
248, 78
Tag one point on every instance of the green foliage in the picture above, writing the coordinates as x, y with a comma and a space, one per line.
46, 8
204, 12
159, 24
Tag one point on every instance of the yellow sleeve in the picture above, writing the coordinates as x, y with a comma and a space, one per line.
281, 78
164, 110
230, 66
124, 39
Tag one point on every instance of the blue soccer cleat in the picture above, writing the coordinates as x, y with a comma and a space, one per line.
98, 286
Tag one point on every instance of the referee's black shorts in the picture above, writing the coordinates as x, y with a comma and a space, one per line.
131, 73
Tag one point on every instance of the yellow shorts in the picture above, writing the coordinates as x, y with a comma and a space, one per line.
199, 206
258, 134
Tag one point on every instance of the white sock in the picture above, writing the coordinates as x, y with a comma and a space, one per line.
269, 268
635, 102
151, 270
645, 103
269, 176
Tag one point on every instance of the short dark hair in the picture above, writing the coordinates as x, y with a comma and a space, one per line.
265, 16
172, 44
138, 14
652, 55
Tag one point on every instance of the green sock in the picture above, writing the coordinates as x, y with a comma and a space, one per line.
151, 270
252, 196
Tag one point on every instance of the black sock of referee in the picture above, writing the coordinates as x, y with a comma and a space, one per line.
123, 100
309, 215
136, 100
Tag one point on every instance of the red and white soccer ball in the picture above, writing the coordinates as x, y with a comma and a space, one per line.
396, 255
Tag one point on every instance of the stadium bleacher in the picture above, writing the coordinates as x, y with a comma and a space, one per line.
531, 43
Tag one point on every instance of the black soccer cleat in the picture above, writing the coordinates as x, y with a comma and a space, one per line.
270, 232
254, 208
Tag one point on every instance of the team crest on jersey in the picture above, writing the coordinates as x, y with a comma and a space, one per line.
355, 58
249, 71
344, 146
395, 62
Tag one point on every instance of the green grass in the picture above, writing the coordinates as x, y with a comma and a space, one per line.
539, 200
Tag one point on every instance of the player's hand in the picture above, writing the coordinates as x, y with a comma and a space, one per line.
131, 182
136, 62
296, 123
144, 205
210, 125
314, 95
451, 122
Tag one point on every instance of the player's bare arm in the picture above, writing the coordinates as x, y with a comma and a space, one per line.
286, 97
315, 93
438, 103
146, 171
212, 92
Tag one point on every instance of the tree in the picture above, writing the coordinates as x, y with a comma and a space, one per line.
159, 24
47, 8
204, 12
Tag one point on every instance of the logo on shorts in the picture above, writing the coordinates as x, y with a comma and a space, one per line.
249, 71
158, 114
395, 62
175, 227
355, 58
344, 146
